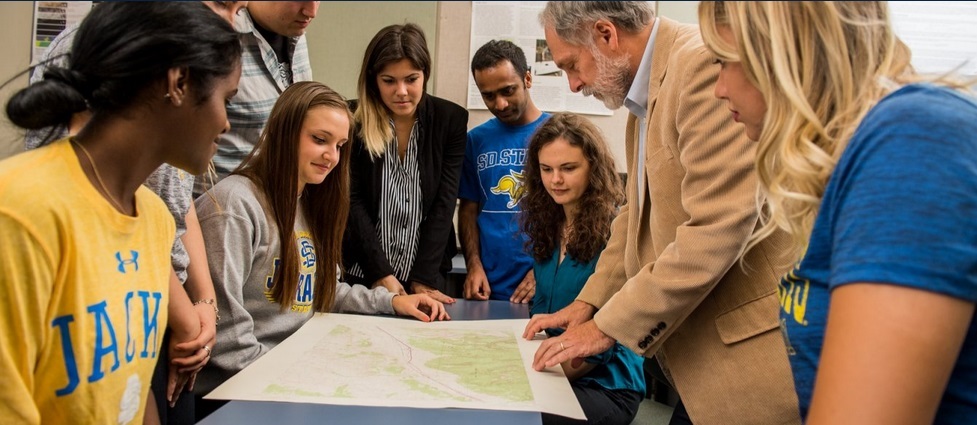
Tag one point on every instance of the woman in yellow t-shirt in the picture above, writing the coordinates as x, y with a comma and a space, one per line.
85, 294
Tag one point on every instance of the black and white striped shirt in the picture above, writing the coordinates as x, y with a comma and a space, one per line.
400, 212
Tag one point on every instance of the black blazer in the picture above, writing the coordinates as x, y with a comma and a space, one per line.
441, 137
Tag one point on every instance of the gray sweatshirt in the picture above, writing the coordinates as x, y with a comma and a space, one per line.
242, 249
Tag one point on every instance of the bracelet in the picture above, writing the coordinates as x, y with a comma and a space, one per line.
213, 303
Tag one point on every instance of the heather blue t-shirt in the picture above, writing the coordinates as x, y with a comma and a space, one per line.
492, 176
900, 208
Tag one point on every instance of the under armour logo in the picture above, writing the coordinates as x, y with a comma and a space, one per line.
134, 261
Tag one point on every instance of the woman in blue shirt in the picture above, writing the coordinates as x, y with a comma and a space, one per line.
875, 177
569, 169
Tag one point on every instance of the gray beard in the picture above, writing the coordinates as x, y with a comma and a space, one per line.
613, 80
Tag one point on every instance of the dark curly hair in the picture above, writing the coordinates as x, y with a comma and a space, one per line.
542, 219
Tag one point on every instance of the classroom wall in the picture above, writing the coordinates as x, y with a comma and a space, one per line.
337, 38
340, 33
15, 32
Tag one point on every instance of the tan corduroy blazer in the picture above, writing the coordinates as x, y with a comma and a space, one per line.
669, 282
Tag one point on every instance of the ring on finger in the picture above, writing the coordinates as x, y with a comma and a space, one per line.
562, 348
206, 348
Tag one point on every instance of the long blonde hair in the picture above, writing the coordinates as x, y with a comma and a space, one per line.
821, 66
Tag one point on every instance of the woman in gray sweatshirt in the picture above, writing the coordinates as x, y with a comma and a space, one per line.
294, 187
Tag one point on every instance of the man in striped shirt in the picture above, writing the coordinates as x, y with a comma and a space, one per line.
275, 55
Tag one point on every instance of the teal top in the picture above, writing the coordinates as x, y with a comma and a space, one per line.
557, 285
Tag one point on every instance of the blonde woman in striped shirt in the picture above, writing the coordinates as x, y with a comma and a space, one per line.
407, 155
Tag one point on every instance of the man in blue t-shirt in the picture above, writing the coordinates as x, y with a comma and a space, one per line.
491, 182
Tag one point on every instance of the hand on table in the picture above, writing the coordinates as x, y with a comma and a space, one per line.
577, 343
574, 314
525, 291
420, 288
420, 306
391, 283
477, 285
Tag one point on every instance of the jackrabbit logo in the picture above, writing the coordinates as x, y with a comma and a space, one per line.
512, 185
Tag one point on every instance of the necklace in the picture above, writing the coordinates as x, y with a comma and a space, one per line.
98, 176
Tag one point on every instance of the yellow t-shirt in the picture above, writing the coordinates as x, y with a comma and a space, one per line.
83, 295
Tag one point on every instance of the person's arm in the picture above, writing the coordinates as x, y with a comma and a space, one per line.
362, 300
199, 286
184, 326
359, 299
717, 191
888, 353
436, 227
526, 289
228, 234
200, 290
151, 412
183, 322
420, 306
476, 283
360, 242
610, 276
902, 260
28, 274
575, 369
391, 284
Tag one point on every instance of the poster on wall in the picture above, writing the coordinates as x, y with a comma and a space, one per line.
942, 35
52, 17
517, 22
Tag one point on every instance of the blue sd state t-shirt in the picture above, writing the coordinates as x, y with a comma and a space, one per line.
492, 176
900, 208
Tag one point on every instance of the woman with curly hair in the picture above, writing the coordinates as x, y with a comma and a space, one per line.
569, 169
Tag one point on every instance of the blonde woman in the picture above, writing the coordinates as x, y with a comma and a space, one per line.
407, 154
875, 177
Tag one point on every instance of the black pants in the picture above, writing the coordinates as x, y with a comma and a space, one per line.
602, 406
182, 412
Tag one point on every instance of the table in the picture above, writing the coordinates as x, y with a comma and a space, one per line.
268, 412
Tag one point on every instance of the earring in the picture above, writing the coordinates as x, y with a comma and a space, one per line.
176, 100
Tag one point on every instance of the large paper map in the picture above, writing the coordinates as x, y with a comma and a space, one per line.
383, 361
